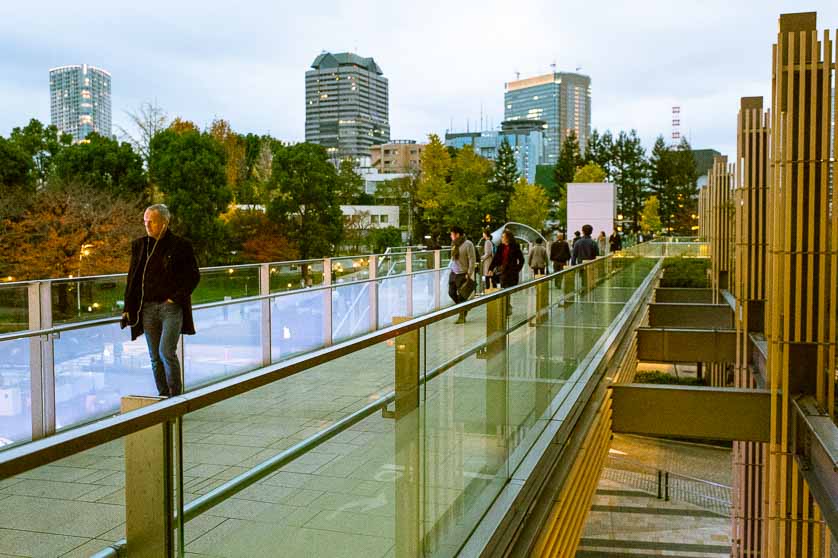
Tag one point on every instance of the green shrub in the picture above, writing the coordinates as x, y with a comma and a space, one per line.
685, 273
658, 377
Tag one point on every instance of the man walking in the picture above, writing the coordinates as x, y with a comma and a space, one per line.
463, 259
559, 253
158, 296
586, 247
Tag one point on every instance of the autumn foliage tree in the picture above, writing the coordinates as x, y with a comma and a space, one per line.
529, 205
47, 240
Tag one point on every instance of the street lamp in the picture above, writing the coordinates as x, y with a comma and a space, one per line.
84, 250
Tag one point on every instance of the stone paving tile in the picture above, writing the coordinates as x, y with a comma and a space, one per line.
80, 519
50, 489
88, 549
245, 539
29, 543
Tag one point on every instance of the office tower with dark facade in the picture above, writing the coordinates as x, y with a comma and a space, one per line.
347, 105
80, 100
561, 99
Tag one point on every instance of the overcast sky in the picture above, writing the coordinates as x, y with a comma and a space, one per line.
245, 61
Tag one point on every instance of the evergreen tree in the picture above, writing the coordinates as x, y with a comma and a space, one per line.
103, 163
631, 175
661, 182
599, 149
189, 169
305, 200
564, 171
350, 185
504, 178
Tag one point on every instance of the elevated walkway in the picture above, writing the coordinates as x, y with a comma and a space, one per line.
399, 442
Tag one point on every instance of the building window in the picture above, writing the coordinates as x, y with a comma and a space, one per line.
385, 219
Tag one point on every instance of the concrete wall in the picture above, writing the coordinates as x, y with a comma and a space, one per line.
592, 203
372, 216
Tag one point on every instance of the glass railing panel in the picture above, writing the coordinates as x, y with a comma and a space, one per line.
339, 499
444, 299
423, 293
15, 392
465, 457
72, 507
228, 343
392, 264
392, 300
297, 323
296, 275
94, 368
422, 260
14, 308
349, 269
350, 310
227, 284
79, 300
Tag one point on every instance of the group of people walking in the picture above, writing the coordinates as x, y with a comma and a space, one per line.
501, 266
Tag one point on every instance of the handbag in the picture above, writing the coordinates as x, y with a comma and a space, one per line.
466, 289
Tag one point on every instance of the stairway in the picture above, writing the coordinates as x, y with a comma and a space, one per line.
628, 523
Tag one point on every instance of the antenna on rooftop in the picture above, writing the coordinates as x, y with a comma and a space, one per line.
553, 66
517, 75
578, 68
676, 126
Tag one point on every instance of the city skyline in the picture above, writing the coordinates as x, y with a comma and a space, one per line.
247, 67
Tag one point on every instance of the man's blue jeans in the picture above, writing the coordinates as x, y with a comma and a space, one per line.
162, 322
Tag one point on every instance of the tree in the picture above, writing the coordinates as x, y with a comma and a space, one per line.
15, 165
180, 126
599, 150
673, 174
350, 186
565, 169
378, 240
188, 167
469, 204
47, 240
630, 174
304, 201
504, 178
234, 151
591, 172
402, 192
148, 120
41, 144
529, 205
104, 164
252, 237
650, 216
434, 190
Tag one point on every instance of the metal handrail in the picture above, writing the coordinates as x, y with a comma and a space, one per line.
204, 269
21, 458
23, 334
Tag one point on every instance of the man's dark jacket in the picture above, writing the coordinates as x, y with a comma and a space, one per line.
179, 270
514, 264
560, 251
585, 249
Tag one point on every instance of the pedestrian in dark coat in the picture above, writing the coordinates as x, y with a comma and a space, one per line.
586, 247
559, 252
508, 261
158, 296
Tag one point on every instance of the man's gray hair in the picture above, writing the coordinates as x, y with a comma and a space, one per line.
161, 210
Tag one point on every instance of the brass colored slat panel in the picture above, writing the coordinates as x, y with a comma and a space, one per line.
686, 345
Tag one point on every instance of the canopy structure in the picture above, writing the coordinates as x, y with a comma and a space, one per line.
520, 231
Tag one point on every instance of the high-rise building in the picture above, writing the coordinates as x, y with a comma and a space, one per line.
524, 137
80, 100
561, 99
347, 108
397, 156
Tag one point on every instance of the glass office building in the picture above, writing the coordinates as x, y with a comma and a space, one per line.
347, 105
561, 99
80, 100
525, 138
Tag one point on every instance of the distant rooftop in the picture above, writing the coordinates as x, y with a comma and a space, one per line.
328, 60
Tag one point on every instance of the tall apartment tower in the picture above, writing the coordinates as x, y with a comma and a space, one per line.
80, 100
561, 99
347, 105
